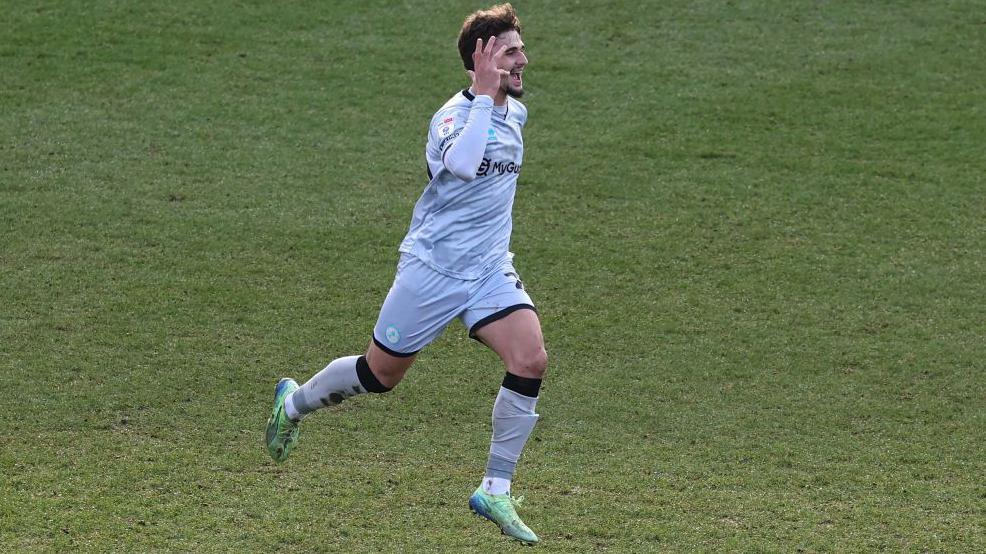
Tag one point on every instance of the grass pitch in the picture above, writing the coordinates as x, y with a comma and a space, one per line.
754, 230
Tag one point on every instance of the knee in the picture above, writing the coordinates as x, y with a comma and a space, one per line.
389, 377
533, 364
385, 369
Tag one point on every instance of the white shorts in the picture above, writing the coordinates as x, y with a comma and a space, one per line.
422, 302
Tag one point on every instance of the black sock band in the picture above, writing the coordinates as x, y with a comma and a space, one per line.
522, 385
367, 378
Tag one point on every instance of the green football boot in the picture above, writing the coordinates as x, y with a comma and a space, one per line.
499, 508
282, 433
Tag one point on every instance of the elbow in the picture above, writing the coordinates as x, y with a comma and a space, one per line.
466, 176
462, 171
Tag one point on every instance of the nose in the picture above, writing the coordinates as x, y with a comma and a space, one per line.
523, 58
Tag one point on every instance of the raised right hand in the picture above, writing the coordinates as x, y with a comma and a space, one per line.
487, 74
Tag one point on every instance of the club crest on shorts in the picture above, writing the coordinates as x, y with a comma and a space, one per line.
393, 335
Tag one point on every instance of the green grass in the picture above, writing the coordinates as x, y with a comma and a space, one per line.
755, 232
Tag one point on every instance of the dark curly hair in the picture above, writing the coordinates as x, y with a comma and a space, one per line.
485, 24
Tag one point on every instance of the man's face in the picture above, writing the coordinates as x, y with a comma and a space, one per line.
514, 60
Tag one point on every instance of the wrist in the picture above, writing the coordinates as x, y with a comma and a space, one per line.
483, 91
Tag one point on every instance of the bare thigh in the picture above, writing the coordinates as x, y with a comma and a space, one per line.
517, 339
388, 369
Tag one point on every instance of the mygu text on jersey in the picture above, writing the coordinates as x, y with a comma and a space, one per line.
499, 167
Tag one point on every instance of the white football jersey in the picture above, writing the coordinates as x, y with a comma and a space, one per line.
462, 228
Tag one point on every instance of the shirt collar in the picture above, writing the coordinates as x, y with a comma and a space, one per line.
470, 97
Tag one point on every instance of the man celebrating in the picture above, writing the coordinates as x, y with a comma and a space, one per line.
455, 263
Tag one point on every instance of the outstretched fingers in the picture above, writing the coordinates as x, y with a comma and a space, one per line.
488, 51
486, 73
489, 45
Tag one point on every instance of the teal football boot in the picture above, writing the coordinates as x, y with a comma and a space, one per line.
500, 509
282, 433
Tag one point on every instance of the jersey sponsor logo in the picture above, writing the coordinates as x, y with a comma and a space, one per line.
446, 127
446, 140
499, 167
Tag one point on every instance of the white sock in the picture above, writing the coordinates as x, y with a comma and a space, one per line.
513, 421
496, 485
337, 382
289, 409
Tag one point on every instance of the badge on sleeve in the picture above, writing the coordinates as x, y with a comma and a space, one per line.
446, 127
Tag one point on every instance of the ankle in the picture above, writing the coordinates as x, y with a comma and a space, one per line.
290, 410
496, 485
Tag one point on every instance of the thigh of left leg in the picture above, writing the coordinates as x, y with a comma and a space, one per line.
388, 369
517, 339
